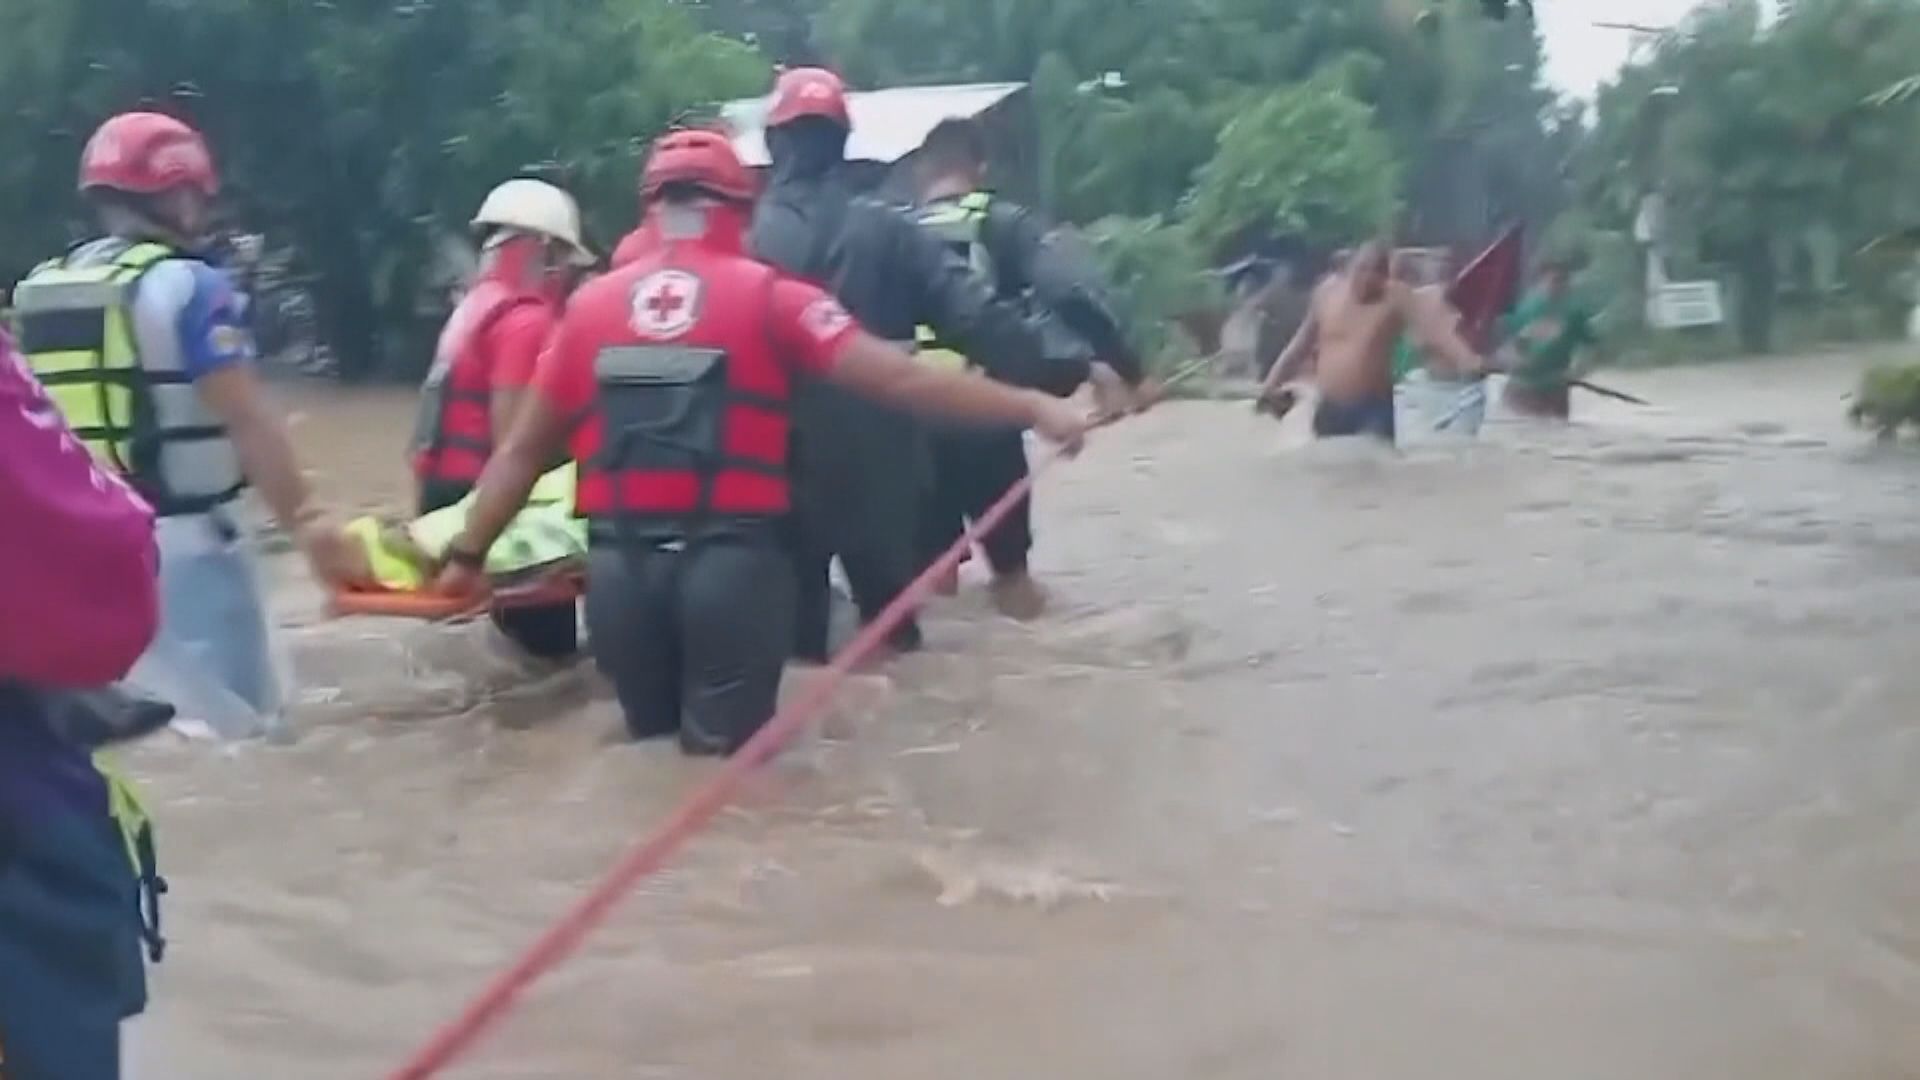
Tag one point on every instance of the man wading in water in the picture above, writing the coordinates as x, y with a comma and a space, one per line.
1353, 322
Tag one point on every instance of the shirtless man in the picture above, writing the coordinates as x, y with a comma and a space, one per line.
1353, 322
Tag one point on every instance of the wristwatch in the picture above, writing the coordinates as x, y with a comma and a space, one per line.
460, 555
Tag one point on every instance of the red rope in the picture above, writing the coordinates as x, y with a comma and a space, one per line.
648, 856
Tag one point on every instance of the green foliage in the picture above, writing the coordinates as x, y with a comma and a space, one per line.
1468, 93
1305, 161
1762, 136
357, 129
1888, 399
1158, 275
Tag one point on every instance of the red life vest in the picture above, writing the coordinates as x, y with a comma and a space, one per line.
453, 437
689, 423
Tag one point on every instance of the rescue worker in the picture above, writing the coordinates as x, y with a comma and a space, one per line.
70, 963
142, 345
861, 466
531, 252
672, 378
1005, 244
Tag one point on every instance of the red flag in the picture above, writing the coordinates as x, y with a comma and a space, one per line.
1488, 287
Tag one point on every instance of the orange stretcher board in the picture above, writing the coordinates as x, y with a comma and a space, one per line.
560, 588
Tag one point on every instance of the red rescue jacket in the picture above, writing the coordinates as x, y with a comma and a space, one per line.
454, 435
689, 423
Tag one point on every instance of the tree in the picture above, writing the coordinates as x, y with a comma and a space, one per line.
1157, 273
1757, 134
1307, 161
359, 129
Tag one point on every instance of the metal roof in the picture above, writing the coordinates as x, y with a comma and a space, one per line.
887, 124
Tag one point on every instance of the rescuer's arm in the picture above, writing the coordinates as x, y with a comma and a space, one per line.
887, 373
815, 334
1016, 238
237, 399
217, 352
962, 310
562, 389
259, 435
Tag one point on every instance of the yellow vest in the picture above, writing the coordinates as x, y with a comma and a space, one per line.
75, 327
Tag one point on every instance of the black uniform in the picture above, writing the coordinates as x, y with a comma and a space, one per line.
1063, 302
861, 469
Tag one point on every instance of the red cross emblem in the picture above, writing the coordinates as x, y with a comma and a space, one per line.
666, 303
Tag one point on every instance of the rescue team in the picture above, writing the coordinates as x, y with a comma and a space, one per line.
733, 396
131, 420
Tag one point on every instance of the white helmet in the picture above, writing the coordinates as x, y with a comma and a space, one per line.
537, 207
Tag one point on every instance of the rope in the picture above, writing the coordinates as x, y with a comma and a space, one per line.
645, 858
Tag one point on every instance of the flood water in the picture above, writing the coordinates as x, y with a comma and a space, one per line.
1573, 753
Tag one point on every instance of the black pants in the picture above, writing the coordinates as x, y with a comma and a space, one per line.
860, 474
693, 635
548, 631
1339, 419
972, 469
879, 567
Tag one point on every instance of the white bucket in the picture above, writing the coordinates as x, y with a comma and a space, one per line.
1426, 408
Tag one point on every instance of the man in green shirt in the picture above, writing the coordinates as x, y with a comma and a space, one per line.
1547, 332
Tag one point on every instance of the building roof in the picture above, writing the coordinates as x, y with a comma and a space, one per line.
887, 124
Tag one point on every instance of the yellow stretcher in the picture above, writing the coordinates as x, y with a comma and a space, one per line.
540, 558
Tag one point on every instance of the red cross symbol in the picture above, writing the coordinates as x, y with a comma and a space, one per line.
665, 303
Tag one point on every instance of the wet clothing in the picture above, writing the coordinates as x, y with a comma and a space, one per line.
118, 332
178, 320
972, 470
70, 951
681, 368
1010, 248
73, 530
546, 631
862, 468
1548, 331
693, 636
1006, 245
217, 658
1546, 402
1337, 419
490, 343
543, 536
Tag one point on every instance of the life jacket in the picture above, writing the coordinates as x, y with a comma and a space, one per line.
453, 434
956, 223
138, 414
688, 429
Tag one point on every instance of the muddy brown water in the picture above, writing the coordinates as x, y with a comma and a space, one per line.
1573, 753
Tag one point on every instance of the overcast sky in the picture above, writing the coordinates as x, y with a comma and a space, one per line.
1580, 56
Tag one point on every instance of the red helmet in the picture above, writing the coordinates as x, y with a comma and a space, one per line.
147, 153
702, 159
809, 92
